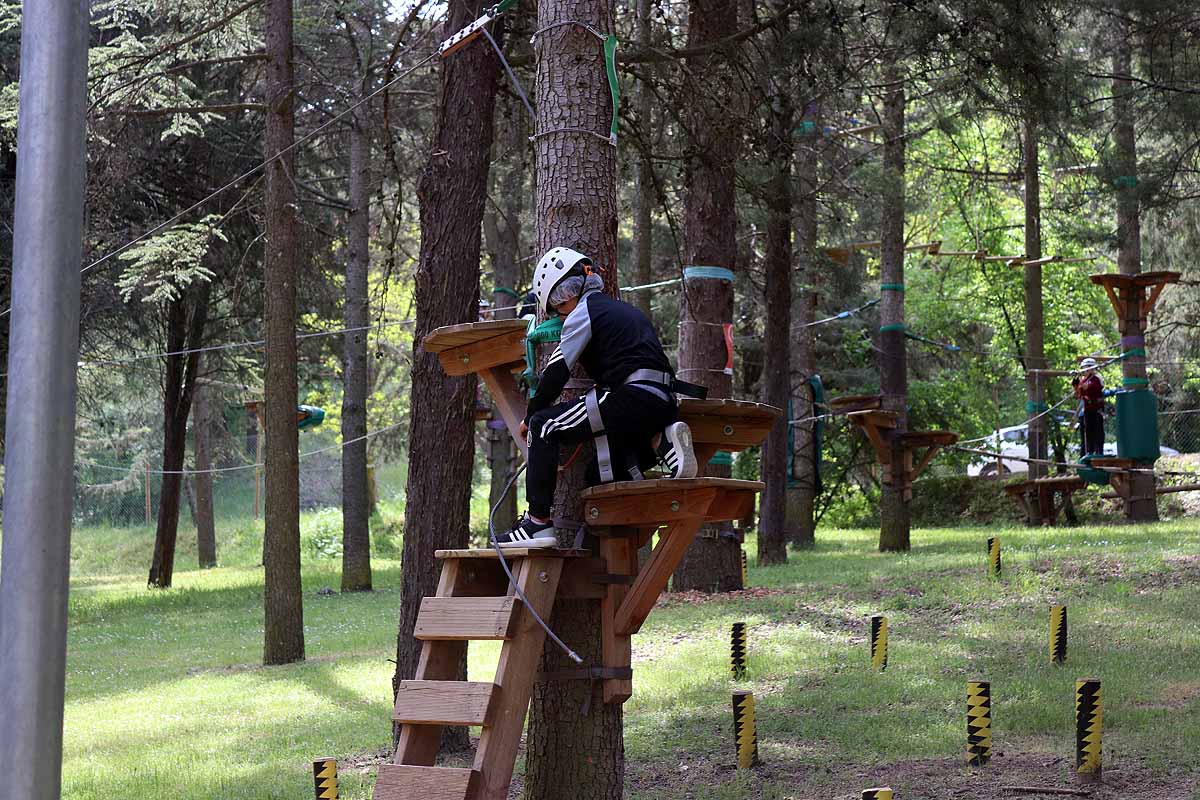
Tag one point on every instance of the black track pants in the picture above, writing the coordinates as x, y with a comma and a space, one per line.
1092, 432
631, 419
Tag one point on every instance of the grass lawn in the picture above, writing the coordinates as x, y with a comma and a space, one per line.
166, 698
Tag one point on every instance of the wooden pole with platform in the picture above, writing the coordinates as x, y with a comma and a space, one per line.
475, 600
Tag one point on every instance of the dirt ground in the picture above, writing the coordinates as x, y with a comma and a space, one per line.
929, 779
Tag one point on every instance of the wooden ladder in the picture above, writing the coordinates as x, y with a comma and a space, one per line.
471, 604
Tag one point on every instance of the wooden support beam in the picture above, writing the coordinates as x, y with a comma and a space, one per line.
510, 402
672, 544
478, 356
617, 649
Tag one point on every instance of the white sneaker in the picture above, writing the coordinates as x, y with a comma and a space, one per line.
675, 450
527, 534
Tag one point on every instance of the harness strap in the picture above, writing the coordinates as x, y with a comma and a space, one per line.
603, 454
668, 381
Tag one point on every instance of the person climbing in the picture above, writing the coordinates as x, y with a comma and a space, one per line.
1090, 392
632, 413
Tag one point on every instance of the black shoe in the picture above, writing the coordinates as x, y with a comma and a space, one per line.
528, 534
675, 450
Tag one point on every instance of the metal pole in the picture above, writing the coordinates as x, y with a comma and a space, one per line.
43, 348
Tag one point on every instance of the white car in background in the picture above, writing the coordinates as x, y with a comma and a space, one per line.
1014, 442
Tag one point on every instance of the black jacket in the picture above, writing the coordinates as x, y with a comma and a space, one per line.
611, 339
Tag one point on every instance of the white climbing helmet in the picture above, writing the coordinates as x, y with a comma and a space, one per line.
1087, 363
558, 264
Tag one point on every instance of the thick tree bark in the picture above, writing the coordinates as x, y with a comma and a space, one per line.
184, 332
894, 512
283, 605
643, 221
1035, 348
502, 230
802, 495
571, 756
1143, 505
772, 530
356, 502
452, 190
713, 562
206, 531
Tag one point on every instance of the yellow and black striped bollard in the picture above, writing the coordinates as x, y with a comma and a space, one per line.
1089, 720
879, 636
737, 650
878, 793
744, 734
1058, 634
979, 722
994, 556
325, 778
745, 571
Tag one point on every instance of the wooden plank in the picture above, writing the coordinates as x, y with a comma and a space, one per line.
1112, 461
443, 702
731, 504
643, 509
856, 402
639, 602
626, 488
875, 418
728, 433
510, 402
449, 336
470, 618
478, 356
516, 672
515, 553
928, 438
616, 649
439, 661
421, 783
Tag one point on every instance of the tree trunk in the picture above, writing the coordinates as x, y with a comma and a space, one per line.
570, 756
206, 531
1035, 350
179, 381
502, 230
894, 512
283, 605
713, 562
643, 221
452, 190
1143, 505
356, 502
772, 530
802, 495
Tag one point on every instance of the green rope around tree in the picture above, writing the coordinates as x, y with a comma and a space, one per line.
891, 287
721, 459
894, 327
1135, 381
1036, 407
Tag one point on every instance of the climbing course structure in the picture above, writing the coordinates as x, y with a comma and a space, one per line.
476, 600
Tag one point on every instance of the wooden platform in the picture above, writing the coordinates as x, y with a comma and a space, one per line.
1140, 291
1038, 499
856, 402
731, 425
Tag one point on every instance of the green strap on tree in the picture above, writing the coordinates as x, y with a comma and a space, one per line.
1036, 407
716, 273
893, 327
721, 459
513, 293
610, 64
1125, 181
504, 5
1134, 351
891, 287
1135, 381
548, 331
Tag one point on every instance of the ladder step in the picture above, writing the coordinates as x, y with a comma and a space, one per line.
401, 782
456, 618
443, 703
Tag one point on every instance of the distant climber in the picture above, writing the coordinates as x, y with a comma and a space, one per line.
1090, 392
632, 413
